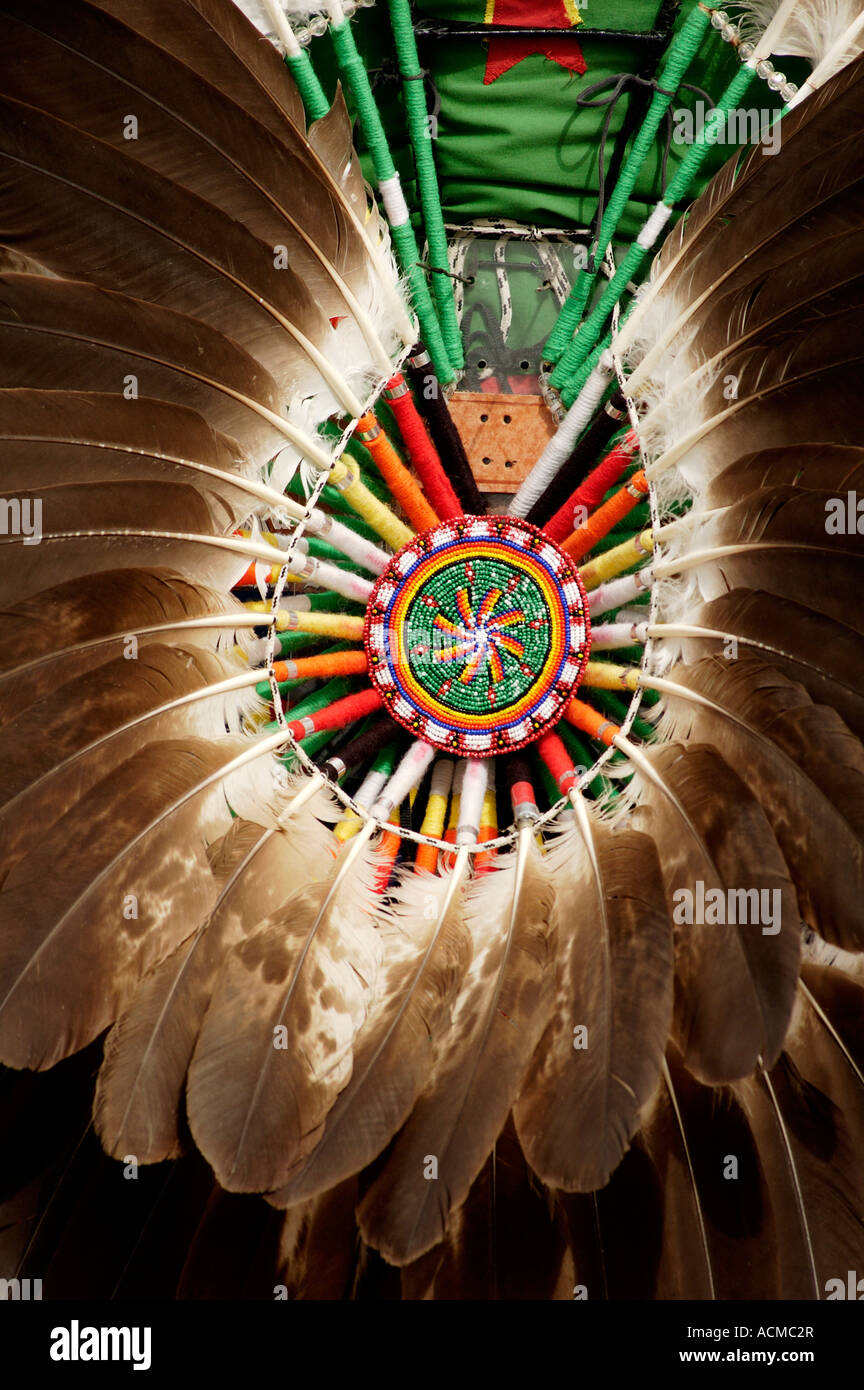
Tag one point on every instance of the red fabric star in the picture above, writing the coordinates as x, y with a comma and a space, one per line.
546, 14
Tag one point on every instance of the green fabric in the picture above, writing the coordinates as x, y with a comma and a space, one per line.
632, 15
521, 148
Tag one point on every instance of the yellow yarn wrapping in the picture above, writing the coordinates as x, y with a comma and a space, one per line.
346, 477
346, 625
605, 675
617, 560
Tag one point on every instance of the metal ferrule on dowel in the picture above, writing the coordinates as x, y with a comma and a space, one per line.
347, 626
606, 517
679, 186
371, 787
591, 491
352, 545
621, 557
522, 795
617, 591
404, 489
427, 178
559, 762
607, 675
435, 814
610, 636
350, 663
590, 721
346, 478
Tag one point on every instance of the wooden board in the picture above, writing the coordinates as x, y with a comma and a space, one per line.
503, 435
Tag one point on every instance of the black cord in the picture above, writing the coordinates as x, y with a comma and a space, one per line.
618, 82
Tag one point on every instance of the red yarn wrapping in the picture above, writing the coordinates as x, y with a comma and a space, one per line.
337, 715
423, 454
593, 489
554, 754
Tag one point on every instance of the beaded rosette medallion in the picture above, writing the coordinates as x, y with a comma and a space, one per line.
477, 635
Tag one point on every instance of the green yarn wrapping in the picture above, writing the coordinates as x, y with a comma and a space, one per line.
681, 53
310, 89
404, 240
571, 390
678, 187
427, 178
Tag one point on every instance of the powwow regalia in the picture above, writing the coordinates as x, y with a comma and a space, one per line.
431, 690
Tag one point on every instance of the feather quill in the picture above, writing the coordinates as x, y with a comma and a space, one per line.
55, 750
804, 646
804, 766
195, 133
104, 616
136, 231
136, 347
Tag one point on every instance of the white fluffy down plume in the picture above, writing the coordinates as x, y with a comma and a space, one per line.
673, 400
809, 32
265, 14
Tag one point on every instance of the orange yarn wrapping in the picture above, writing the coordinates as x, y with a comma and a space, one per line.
310, 667
591, 491
590, 721
488, 830
385, 855
485, 862
448, 859
404, 489
601, 522
427, 858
